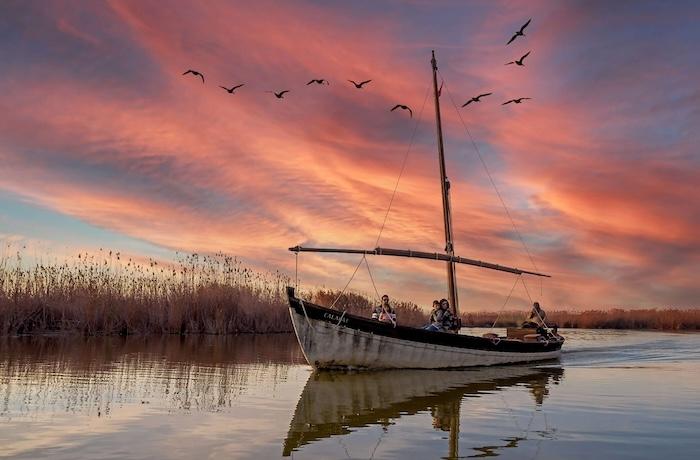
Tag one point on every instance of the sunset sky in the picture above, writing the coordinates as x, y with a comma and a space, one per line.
104, 143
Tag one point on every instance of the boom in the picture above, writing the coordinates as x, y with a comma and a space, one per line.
421, 255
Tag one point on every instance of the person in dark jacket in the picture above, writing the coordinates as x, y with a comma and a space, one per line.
441, 318
536, 317
435, 314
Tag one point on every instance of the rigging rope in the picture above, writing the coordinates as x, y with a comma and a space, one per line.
378, 296
506, 302
391, 201
403, 165
538, 313
372, 279
348, 283
526, 290
488, 173
379, 441
296, 271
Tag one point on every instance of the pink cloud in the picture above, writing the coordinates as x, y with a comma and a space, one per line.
189, 167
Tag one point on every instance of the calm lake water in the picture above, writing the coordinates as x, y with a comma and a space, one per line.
612, 395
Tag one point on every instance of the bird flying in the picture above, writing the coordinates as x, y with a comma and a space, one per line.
279, 95
195, 73
520, 61
359, 85
517, 101
401, 106
319, 81
519, 33
232, 89
476, 99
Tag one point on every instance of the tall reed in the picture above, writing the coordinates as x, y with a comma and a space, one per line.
106, 294
96, 294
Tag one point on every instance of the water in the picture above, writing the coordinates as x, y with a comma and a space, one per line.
612, 395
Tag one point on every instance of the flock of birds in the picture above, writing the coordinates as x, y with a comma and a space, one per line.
361, 85
521, 62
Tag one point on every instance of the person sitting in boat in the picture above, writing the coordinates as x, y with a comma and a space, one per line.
435, 314
441, 318
536, 317
384, 312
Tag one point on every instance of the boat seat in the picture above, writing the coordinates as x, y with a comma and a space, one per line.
531, 338
490, 335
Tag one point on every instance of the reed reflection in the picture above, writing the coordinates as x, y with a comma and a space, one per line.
334, 403
92, 375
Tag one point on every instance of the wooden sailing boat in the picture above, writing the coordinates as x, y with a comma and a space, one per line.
331, 339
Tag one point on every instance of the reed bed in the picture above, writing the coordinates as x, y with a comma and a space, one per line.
106, 294
102, 294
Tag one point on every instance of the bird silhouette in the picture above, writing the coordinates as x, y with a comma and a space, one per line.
195, 73
232, 89
517, 101
401, 106
476, 99
519, 61
320, 81
279, 95
519, 33
359, 85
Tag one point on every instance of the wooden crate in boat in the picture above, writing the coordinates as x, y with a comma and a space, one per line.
519, 332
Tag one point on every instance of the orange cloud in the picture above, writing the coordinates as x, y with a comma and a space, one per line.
125, 142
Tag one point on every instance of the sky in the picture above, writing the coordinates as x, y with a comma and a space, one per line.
104, 143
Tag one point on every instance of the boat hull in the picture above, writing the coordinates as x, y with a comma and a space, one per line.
332, 339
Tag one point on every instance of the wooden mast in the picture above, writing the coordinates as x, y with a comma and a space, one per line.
445, 186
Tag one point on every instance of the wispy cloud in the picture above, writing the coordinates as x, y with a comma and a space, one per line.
599, 168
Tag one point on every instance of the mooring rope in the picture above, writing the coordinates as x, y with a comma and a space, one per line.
306, 315
341, 318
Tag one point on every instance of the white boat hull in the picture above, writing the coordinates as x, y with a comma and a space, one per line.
329, 345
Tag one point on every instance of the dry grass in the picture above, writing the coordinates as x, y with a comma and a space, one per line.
103, 294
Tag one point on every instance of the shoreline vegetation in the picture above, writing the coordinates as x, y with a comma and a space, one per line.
107, 294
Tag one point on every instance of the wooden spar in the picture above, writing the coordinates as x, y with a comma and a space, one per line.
445, 186
421, 255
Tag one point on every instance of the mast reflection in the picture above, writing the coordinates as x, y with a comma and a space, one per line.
335, 403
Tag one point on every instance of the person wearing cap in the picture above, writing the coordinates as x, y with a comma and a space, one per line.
536, 317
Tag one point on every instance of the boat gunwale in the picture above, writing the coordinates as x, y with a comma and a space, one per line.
413, 334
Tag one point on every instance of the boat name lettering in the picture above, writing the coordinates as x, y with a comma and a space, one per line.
334, 317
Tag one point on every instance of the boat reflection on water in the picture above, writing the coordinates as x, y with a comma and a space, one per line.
335, 403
